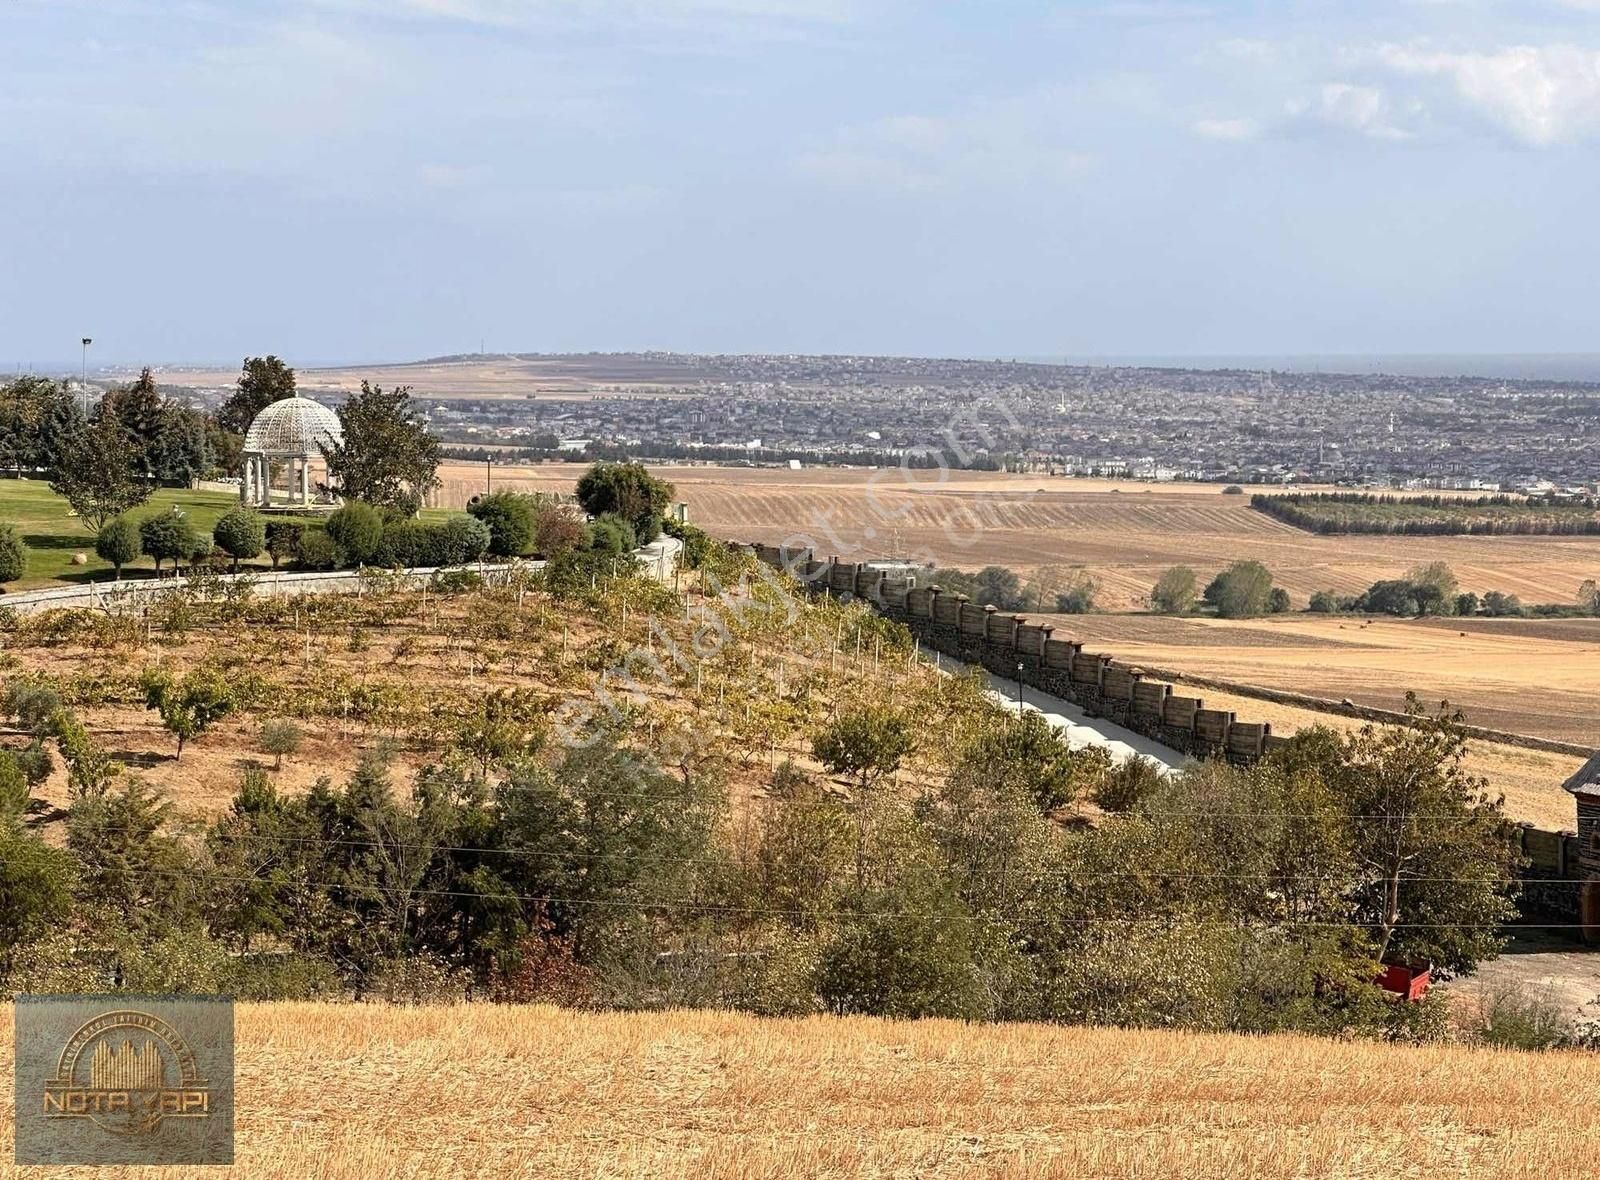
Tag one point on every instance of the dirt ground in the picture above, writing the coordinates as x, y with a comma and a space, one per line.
1543, 966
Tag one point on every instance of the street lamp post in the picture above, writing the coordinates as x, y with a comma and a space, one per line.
83, 377
1019, 688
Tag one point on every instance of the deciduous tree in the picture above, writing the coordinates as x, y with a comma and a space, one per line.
95, 474
387, 458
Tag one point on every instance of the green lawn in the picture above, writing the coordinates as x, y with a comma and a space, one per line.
52, 536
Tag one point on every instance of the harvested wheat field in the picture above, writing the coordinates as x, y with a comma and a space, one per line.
1125, 534
1528, 676
353, 1091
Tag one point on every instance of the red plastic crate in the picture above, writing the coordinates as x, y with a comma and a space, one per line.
1409, 983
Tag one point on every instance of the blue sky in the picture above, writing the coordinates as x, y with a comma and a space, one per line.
347, 180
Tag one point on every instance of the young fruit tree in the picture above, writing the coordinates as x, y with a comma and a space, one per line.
188, 706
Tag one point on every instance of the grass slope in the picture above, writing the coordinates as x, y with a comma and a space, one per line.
347, 1091
53, 536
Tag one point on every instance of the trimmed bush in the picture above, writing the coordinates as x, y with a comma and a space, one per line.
168, 537
283, 540
464, 538
241, 533
317, 551
612, 534
119, 543
13, 554
510, 520
357, 529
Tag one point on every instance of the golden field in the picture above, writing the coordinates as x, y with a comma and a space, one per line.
356, 1091
1126, 534
1531, 676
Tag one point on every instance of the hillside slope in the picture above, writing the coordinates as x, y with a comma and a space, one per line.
351, 1091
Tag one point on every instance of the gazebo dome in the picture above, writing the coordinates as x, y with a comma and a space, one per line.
294, 428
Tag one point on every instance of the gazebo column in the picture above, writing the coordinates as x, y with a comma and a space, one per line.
244, 483
305, 482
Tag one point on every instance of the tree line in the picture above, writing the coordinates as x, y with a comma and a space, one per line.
1486, 516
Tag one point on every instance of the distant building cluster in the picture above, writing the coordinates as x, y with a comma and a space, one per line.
1250, 427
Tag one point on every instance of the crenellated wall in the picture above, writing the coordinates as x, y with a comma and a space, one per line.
1010, 646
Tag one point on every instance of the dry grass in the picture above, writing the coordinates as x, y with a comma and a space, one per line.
353, 1091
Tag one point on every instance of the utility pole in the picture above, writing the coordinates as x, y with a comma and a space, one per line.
83, 378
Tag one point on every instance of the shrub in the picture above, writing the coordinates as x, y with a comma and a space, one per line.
1176, 591
1128, 785
1502, 606
456, 582
13, 554
511, 522
1512, 1021
1325, 602
357, 529
559, 528
465, 538
1278, 601
283, 540
1077, 596
241, 533
612, 534
118, 543
1394, 596
168, 537
1233, 489
279, 736
409, 544
316, 551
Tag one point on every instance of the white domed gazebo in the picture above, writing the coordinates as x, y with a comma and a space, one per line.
294, 429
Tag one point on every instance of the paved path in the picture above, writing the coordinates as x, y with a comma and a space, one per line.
1078, 729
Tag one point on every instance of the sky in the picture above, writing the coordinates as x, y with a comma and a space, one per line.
361, 180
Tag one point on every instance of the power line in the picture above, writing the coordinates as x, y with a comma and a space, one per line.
716, 908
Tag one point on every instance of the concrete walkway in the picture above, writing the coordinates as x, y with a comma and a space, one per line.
1078, 729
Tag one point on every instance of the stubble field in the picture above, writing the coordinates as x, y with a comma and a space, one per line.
347, 1091
1126, 534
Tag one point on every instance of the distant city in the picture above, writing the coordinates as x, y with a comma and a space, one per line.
1249, 425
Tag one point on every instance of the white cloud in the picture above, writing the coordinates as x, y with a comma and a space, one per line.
1363, 110
1230, 130
1543, 95
1008, 142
